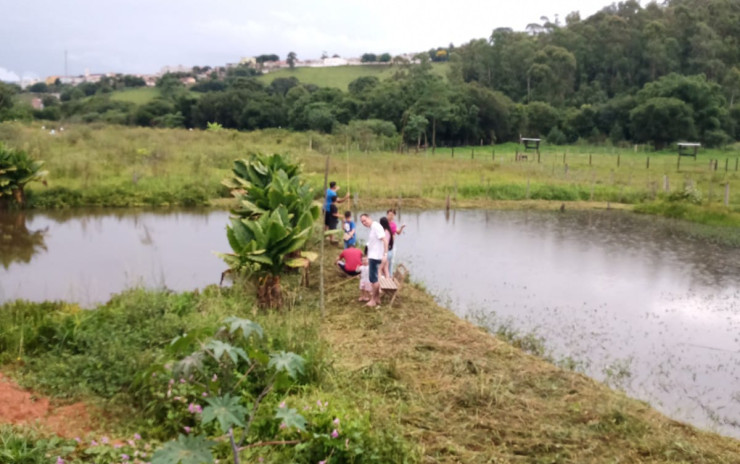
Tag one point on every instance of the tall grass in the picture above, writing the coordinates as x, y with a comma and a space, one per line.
124, 166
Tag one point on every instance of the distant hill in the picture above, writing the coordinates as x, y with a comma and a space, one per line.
340, 76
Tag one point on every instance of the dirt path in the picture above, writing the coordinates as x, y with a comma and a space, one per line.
21, 407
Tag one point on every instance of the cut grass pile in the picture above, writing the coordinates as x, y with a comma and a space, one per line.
466, 396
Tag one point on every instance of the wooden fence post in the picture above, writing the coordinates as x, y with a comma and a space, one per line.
323, 239
727, 194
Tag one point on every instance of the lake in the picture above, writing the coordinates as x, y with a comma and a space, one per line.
630, 300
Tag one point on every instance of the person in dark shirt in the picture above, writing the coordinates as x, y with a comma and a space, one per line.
332, 220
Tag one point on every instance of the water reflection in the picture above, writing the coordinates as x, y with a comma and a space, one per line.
93, 255
17, 242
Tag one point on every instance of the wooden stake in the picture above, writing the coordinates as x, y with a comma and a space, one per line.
727, 194
321, 259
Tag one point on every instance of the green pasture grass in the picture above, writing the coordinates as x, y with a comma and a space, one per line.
139, 95
340, 76
127, 166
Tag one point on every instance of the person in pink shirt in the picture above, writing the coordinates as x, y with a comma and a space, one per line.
395, 231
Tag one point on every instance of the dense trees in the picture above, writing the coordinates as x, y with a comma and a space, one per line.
653, 74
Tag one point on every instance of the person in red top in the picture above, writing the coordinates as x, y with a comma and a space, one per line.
352, 261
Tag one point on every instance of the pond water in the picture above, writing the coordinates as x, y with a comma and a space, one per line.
629, 300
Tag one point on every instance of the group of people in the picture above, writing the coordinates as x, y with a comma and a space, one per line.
377, 259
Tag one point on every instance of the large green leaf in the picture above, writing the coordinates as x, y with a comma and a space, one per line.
286, 362
219, 349
290, 418
246, 327
226, 410
186, 450
188, 365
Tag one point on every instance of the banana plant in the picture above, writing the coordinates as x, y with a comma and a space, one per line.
265, 246
16, 170
274, 219
261, 183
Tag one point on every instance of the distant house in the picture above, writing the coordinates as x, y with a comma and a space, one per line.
37, 104
187, 80
274, 64
248, 61
93, 78
174, 69
334, 62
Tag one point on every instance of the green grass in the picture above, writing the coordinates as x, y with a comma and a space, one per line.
116, 359
125, 166
340, 76
139, 96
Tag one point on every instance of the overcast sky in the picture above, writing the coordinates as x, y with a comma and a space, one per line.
141, 36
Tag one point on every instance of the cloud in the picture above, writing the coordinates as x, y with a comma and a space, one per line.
8, 76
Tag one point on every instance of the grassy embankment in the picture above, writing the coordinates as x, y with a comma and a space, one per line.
122, 166
447, 390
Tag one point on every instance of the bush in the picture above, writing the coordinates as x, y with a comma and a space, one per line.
556, 137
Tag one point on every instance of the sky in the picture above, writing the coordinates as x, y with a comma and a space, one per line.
142, 36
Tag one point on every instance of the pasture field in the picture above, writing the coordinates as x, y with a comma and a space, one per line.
124, 166
340, 76
139, 95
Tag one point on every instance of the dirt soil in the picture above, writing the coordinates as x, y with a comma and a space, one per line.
21, 407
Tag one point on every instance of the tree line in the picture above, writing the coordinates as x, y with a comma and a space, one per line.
627, 74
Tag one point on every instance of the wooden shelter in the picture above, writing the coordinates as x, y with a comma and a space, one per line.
688, 149
530, 144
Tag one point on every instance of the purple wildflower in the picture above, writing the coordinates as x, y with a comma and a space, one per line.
336, 421
187, 429
137, 436
60, 460
334, 433
124, 457
282, 405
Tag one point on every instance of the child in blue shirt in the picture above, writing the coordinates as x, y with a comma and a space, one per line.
349, 230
